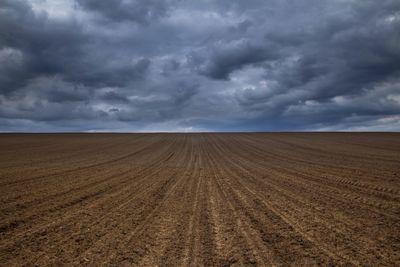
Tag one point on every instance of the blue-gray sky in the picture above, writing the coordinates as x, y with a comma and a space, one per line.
193, 65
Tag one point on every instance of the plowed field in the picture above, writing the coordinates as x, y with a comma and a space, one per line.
200, 199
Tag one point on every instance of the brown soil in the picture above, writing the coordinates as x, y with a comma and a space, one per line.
200, 199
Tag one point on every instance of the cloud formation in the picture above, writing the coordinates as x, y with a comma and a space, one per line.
129, 65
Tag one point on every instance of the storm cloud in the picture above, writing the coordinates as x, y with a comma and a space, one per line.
130, 65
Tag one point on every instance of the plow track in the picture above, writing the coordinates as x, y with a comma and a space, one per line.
244, 199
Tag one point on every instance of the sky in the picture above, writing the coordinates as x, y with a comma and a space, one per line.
199, 65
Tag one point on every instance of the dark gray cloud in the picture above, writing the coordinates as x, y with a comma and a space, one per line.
230, 57
128, 65
142, 12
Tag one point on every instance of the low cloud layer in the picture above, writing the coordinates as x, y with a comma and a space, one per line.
230, 65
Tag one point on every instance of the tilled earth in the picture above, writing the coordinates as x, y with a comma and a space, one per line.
200, 199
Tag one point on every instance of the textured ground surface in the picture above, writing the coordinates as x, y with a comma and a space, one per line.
200, 199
